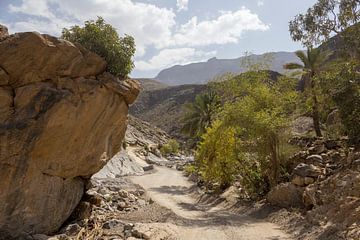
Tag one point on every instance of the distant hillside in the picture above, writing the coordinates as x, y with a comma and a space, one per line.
202, 72
148, 84
163, 107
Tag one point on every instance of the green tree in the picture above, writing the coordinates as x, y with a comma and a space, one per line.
342, 83
247, 138
200, 114
171, 147
326, 18
312, 61
102, 39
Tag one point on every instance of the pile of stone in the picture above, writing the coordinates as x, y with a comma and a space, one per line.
322, 159
326, 183
98, 213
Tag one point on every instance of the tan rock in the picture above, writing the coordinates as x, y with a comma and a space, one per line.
58, 126
3, 32
298, 180
309, 180
44, 57
286, 195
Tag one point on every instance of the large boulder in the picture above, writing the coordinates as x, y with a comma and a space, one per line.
286, 195
3, 32
59, 124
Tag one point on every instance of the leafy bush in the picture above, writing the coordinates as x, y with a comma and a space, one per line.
102, 39
342, 83
247, 142
189, 169
171, 147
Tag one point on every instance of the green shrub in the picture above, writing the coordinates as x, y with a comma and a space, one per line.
102, 39
172, 147
342, 83
189, 169
248, 140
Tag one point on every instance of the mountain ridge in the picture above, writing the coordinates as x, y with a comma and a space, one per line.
202, 72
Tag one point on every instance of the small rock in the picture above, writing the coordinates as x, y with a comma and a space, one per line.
309, 180
141, 202
140, 192
141, 231
122, 205
286, 195
314, 159
307, 170
123, 193
129, 226
148, 167
298, 180
111, 224
317, 149
72, 229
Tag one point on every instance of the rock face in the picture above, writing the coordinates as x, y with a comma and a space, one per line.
61, 119
3, 32
286, 195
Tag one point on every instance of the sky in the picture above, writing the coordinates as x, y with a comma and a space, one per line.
169, 32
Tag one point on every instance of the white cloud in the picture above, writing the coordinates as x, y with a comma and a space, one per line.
150, 25
260, 3
147, 23
182, 4
227, 28
174, 56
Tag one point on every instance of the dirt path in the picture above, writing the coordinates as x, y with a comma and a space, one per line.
170, 189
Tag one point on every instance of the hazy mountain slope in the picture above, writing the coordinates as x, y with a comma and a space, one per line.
164, 107
202, 72
148, 84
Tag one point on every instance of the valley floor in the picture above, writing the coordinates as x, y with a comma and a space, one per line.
170, 189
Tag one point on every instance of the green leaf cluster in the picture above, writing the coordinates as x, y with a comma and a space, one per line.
103, 39
247, 139
172, 147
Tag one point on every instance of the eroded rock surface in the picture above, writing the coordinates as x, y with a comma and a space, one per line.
61, 119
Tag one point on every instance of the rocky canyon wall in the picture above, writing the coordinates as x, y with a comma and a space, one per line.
62, 117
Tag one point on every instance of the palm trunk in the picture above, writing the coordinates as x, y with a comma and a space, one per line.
315, 107
316, 116
274, 155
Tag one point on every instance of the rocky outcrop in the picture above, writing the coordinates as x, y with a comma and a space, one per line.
286, 195
62, 118
3, 32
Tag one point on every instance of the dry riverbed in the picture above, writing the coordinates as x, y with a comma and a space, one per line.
161, 204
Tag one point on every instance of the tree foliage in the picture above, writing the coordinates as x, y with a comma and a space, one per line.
247, 138
172, 147
342, 84
312, 62
200, 114
323, 19
102, 39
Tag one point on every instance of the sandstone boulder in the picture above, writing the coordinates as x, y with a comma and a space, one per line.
307, 170
3, 32
286, 195
59, 124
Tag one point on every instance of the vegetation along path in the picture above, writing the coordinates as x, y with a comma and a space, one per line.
172, 190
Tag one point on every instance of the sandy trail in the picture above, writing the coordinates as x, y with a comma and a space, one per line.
170, 189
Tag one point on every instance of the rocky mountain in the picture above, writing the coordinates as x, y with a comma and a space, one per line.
62, 118
148, 84
202, 72
164, 107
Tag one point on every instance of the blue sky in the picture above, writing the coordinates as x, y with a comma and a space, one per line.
169, 32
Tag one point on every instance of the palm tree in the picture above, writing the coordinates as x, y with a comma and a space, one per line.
200, 114
312, 61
